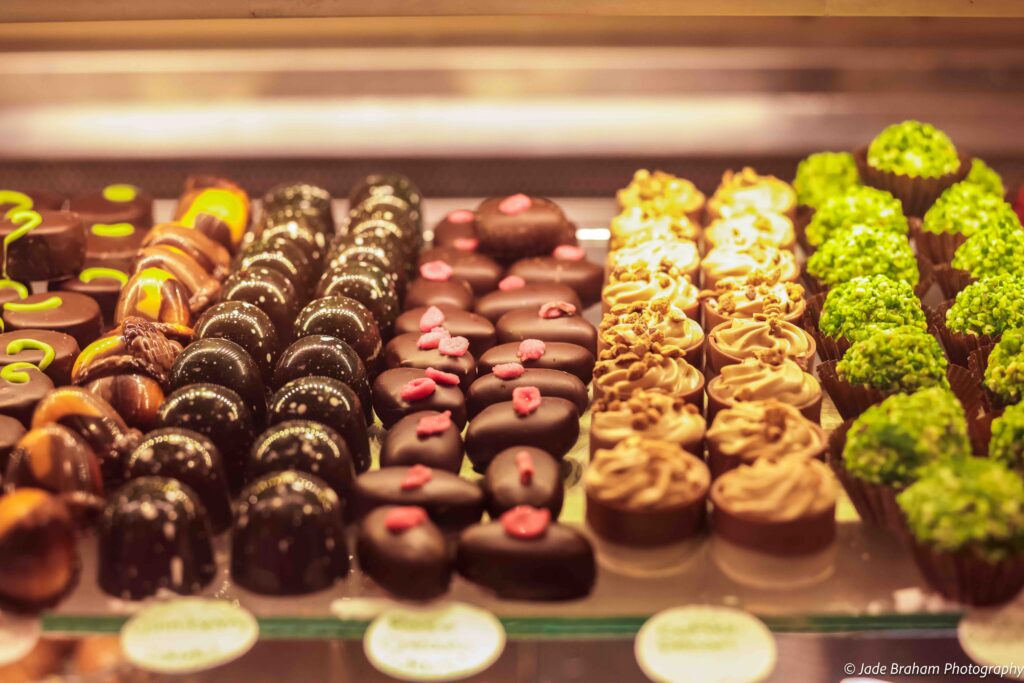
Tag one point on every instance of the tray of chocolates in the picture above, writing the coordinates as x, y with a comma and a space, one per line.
795, 397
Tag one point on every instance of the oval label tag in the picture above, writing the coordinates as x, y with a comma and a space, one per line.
18, 635
994, 638
705, 644
188, 635
443, 643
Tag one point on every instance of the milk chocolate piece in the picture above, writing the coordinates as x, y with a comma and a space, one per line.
208, 253
585, 277
102, 281
289, 536
457, 227
347, 320
409, 443
74, 314
391, 407
202, 288
553, 427
570, 358
489, 389
528, 323
454, 292
325, 356
156, 295
404, 352
305, 446
245, 325
37, 199
116, 220
223, 362
496, 304
367, 284
11, 430
39, 561
459, 323
404, 552
523, 475
21, 388
55, 459
518, 226
481, 272
53, 352
42, 245
451, 502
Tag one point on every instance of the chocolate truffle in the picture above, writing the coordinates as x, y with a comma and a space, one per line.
523, 475
52, 352
570, 358
156, 295
367, 284
551, 322
525, 556
299, 197
458, 227
304, 446
245, 325
452, 291
38, 550
451, 502
330, 402
22, 386
481, 272
11, 431
494, 388
211, 255
353, 250
285, 258
496, 304
401, 391
73, 314
56, 459
154, 535
349, 321
299, 231
400, 210
289, 536
459, 323
404, 552
217, 413
42, 245
202, 288
325, 356
223, 362
518, 226
102, 281
551, 424
568, 266
267, 290
380, 225
383, 184
116, 219
192, 459
426, 437
447, 354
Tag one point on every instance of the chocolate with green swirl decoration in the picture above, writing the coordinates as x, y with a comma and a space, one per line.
52, 352
71, 313
41, 245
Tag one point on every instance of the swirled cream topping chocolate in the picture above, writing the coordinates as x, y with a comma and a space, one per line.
768, 429
745, 337
660, 193
777, 490
661, 367
629, 325
630, 285
682, 255
727, 261
762, 293
634, 226
747, 229
769, 375
646, 474
650, 414
748, 192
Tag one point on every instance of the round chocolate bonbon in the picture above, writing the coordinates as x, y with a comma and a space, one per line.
267, 290
58, 460
325, 356
285, 258
585, 277
496, 304
245, 325
52, 352
22, 386
367, 284
426, 438
551, 322
570, 358
523, 475
68, 312
452, 502
494, 388
211, 255
41, 245
38, 550
347, 320
457, 229
297, 234
223, 362
404, 552
355, 250
154, 535
453, 292
102, 281
382, 184
116, 220
289, 536
392, 402
156, 295
450, 354
202, 288
10, 431
305, 446
459, 323
481, 272
518, 226
303, 199
553, 427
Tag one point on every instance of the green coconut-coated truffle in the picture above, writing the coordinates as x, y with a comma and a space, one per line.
989, 306
1004, 375
994, 249
973, 504
901, 359
982, 175
860, 251
915, 149
858, 206
854, 310
1007, 444
823, 175
965, 208
891, 441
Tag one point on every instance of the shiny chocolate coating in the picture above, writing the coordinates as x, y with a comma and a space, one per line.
325, 356
347, 320
55, 459
496, 304
481, 272
403, 352
68, 312
298, 198
304, 446
202, 288
349, 252
33, 346
100, 282
53, 250
10, 431
116, 220
219, 414
223, 362
402, 210
553, 427
556, 565
505, 485
453, 503
570, 358
489, 389
21, 391
267, 290
535, 231
411, 563
284, 257
454, 292
136, 398
391, 407
367, 284
585, 277
216, 207
459, 323
447, 232
403, 446
245, 325
386, 184
156, 295
154, 535
526, 323
42, 200
383, 231
289, 536
192, 459
312, 243
327, 401
39, 561
211, 255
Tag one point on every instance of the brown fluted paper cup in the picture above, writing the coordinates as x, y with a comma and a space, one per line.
875, 503
851, 400
916, 194
829, 348
968, 578
958, 346
936, 248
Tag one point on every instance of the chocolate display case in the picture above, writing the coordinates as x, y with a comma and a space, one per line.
468, 120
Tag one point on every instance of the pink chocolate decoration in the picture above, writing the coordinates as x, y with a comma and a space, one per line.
556, 309
418, 389
454, 346
449, 379
432, 339
508, 370
515, 204
436, 271
416, 477
511, 282
524, 463
466, 243
404, 517
434, 424
525, 400
569, 252
431, 318
461, 216
526, 522
531, 349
